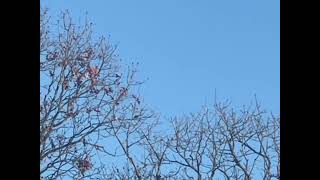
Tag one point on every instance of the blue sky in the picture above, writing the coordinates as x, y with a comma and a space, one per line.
188, 49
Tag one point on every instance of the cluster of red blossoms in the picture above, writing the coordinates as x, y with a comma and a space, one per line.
84, 165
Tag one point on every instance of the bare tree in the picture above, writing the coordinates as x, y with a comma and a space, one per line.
252, 141
189, 144
85, 96
224, 143
127, 131
156, 145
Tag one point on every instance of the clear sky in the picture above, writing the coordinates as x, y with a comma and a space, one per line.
188, 49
